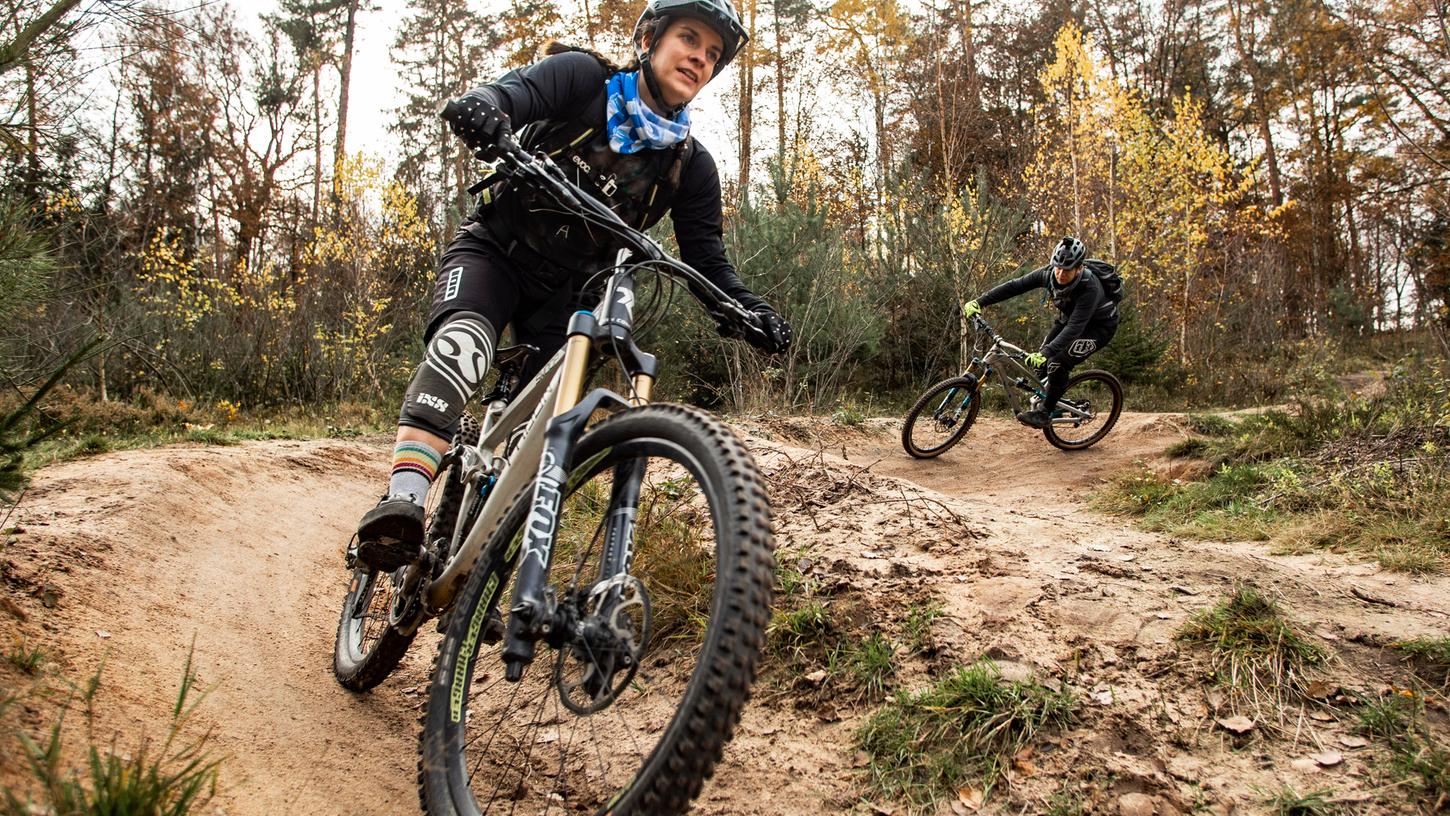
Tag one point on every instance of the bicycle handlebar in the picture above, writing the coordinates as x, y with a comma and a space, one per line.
537, 170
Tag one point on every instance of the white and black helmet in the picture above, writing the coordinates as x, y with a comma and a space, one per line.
1069, 254
718, 14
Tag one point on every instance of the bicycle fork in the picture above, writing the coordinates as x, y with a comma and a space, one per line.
535, 613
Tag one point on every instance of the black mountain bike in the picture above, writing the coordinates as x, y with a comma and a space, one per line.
944, 413
603, 585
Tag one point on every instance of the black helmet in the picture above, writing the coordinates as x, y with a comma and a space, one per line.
718, 14
1069, 253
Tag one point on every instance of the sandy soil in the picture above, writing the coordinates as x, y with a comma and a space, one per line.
131, 558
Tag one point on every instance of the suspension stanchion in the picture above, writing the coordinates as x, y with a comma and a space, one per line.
576, 362
643, 388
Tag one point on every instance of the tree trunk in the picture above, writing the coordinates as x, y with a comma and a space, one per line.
339, 151
747, 103
14, 51
32, 134
316, 140
780, 91
1260, 101
969, 59
1072, 151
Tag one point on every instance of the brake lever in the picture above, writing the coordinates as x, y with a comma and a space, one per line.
736, 321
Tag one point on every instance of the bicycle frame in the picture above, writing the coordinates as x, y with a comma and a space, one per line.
558, 386
1002, 357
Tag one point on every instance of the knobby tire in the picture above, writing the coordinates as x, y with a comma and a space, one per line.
458, 775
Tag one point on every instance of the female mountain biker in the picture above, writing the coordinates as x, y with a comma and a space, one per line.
1088, 319
517, 261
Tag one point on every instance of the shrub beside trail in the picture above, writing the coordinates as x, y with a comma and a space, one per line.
1343, 472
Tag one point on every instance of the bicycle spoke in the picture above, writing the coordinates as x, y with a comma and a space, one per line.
940, 417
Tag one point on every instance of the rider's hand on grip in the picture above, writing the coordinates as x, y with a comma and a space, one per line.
769, 332
475, 120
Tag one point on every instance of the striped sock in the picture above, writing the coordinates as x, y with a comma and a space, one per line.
414, 466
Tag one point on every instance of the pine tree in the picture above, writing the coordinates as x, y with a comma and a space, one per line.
440, 50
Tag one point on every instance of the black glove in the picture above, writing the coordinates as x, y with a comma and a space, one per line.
774, 334
475, 120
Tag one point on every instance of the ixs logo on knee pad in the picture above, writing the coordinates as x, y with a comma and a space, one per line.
430, 401
1082, 348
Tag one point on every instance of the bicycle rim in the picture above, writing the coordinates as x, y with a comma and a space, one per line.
633, 725
368, 646
940, 417
1099, 394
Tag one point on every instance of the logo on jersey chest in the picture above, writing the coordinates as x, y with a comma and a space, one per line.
607, 184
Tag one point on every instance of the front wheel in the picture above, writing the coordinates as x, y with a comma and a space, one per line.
629, 711
369, 642
940, 417
1087, 411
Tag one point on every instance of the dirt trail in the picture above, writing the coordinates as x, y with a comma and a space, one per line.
239, 548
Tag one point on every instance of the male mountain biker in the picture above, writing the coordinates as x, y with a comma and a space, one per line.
623, 135
1086, 292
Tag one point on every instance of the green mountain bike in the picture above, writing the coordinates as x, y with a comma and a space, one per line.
946, 411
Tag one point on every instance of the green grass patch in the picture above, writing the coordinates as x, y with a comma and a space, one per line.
1431, 655
174, 777
1221, 508
872, 665
916, 627
1415, 756
1288, 802
24, 657
922, 746
797, 632
1210, 424
1335, 471
849, 416
808, 640
1191, 448
1254, 651
80, 425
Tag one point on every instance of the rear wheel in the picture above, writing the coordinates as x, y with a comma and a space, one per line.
1087, 411
940, 417
630, 711
369, 643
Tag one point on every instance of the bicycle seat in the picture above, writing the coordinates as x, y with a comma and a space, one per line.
510, 359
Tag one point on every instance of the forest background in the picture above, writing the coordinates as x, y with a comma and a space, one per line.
1269, 175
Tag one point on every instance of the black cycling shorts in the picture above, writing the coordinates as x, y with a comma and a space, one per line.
476, 274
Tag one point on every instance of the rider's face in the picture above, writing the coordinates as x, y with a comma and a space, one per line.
1066, 276
685, 59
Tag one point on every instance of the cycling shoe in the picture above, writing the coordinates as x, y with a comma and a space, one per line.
390, 535
1033, 419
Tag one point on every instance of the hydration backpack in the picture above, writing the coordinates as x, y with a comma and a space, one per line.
1108, 276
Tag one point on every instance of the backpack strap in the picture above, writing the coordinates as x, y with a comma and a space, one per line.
658, 204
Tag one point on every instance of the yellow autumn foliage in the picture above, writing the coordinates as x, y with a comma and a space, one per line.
1159, 197
362, 253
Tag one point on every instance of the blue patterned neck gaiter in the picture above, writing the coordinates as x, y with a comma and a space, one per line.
633, 125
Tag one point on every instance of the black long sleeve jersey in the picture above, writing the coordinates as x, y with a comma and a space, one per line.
1081, 302
566, 94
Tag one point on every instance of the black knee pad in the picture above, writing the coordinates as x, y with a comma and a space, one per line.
453, 367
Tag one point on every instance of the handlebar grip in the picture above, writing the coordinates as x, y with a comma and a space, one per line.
508, 143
